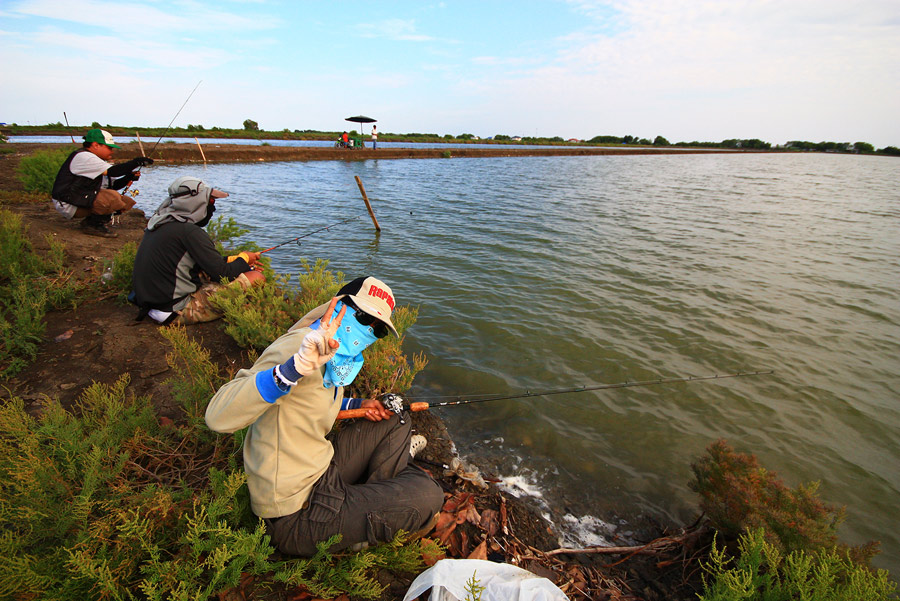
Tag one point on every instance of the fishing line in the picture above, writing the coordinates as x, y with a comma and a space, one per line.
459, 400
322, 229
125, 191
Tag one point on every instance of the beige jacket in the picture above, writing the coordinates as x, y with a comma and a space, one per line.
285, 450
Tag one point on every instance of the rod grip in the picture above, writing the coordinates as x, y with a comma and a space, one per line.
351, 413
361, 412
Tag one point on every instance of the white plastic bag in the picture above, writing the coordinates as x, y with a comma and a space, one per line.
502, 582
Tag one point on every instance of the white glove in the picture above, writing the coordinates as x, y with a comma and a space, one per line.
317, 348
313, 354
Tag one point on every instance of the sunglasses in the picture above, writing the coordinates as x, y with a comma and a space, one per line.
379, 328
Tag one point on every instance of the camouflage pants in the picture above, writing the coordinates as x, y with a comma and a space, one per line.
200, 309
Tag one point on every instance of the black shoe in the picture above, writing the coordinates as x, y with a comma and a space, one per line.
97, 229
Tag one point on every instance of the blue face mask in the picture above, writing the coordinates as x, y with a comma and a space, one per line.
354, 338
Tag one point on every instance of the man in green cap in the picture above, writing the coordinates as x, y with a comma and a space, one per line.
86, 184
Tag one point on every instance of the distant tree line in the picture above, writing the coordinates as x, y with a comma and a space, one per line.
251, 129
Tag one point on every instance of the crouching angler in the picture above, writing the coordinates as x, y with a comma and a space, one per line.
86, 184
307, 482
177, 267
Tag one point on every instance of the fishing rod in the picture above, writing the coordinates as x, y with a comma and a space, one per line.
125, 191
175, 117
397, 404
311, 233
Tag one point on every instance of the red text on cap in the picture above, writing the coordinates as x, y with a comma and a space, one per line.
382, 294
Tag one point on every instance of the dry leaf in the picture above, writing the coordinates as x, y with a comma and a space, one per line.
472, 516
454, 502
480, 552
489, 522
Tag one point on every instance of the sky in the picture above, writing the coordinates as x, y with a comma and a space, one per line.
707, 70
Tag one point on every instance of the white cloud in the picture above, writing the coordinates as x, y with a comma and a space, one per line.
710, 70
182, 17
403, 30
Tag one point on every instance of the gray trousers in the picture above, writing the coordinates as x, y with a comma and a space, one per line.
368, 493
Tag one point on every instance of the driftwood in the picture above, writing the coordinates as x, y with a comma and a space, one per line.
651, 548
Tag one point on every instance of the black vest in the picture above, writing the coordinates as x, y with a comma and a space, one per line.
75, 189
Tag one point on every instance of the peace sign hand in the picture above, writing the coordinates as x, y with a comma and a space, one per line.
319, 346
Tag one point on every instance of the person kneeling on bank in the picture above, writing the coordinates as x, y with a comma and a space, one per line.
306, 481
177, 267
84, 185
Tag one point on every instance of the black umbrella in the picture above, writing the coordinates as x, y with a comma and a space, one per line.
360, 119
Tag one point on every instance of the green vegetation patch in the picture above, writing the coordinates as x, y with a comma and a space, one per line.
38, 170
31, 283
762, 572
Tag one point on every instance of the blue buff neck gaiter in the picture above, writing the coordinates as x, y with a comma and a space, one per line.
354, 339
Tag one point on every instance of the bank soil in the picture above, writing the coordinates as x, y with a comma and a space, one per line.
100, 340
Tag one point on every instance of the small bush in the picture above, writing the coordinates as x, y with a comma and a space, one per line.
120, 270
738, 494
223, 233
21, 326
38, 171
31, 284
762, 572
196, 378
16, 249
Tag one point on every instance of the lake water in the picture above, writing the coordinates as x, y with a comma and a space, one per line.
554, 272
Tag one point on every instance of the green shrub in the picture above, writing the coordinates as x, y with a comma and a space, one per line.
31, 284
737, 494
120, 270
21, 326
223, 232
100, 505
762, 572
196, 378
18, 255
38, 171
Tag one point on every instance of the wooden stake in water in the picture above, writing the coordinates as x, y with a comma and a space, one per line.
362, 191
139, 143
67, 125
201, 150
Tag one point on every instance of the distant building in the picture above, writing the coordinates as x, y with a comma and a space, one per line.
517, 138
576, 140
